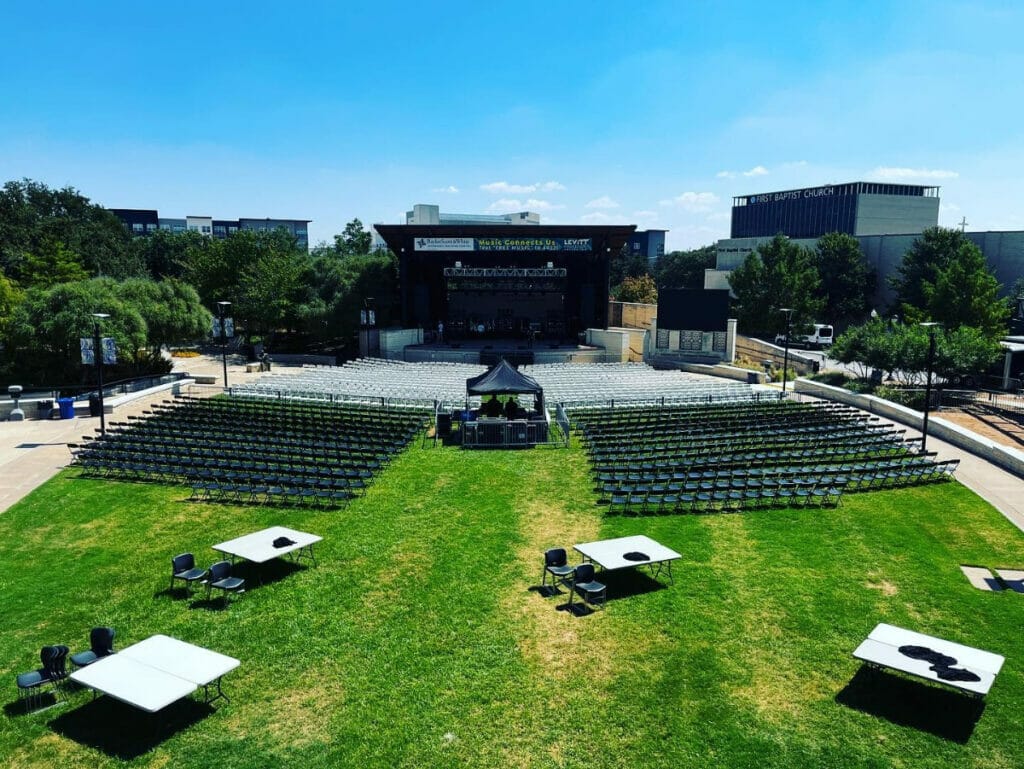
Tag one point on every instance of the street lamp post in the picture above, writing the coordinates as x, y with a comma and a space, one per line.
928, 383
97, 356
221, 309
785, 354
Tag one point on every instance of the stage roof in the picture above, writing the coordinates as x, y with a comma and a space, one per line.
605, 238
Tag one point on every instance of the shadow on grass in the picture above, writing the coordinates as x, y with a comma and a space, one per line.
905, 702
27, 706
123, 732
621, 584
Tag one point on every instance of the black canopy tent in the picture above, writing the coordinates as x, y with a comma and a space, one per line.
503, 379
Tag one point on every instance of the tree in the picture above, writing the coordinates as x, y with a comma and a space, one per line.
51, 263
354, 241
171, 310
684, 269
966, 294
258, 271
902, 350
847, 282
642, 290
165, 253
45, 329
944, 278
778, 274
626, 264
35, 218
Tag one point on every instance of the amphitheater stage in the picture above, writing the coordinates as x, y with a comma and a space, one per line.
515, 351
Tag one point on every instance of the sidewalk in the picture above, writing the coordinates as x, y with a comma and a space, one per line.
33, 451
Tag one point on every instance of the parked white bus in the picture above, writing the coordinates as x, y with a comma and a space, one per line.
820, 337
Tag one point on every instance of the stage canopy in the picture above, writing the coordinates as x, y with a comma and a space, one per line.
502, 379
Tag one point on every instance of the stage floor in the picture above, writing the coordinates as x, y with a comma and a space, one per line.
516, 351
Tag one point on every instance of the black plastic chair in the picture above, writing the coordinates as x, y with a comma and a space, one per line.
101, 643
556, 563
591, 591
53, 672
183, 567
220, 578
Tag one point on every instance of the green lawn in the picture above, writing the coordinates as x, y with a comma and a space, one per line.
418, 642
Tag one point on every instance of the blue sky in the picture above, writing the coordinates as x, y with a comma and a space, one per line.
647, 113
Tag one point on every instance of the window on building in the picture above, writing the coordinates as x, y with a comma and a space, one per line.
150, 227
232, 230
136, 227
206, 229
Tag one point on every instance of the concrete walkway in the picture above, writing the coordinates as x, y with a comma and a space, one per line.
33, 451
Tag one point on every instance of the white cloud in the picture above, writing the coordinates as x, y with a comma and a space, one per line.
645, 214
889, 172
451, 189
602, 202
755, 171
694, 202
505, 205
595, 216
541, 205
504, 188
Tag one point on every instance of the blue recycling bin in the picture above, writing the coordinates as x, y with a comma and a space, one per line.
67, 408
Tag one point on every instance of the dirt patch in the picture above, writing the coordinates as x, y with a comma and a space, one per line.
995, 428
884, 586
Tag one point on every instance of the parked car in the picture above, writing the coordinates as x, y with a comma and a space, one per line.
820, 337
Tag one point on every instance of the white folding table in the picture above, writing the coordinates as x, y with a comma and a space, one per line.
610, 554
882, 649
258, 547
154, 673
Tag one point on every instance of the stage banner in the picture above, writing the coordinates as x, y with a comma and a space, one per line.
444, 244
533, 244
504, 244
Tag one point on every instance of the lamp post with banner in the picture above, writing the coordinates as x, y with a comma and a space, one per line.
225, 329
98, 353
928, 383
785, 352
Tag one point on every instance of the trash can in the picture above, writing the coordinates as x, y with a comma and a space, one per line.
67, 408
44, 409
94, 405
753, 377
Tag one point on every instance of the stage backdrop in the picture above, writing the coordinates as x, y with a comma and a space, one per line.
693, 309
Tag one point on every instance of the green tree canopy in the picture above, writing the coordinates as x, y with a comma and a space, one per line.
944, 278
641, 289
259, 272
45, 329
847, 282
902, 350
354, 241
778, 274
966, 294
684, 269
36, 221
170, 308
165, 253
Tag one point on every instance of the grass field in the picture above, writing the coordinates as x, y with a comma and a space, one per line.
418, 642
